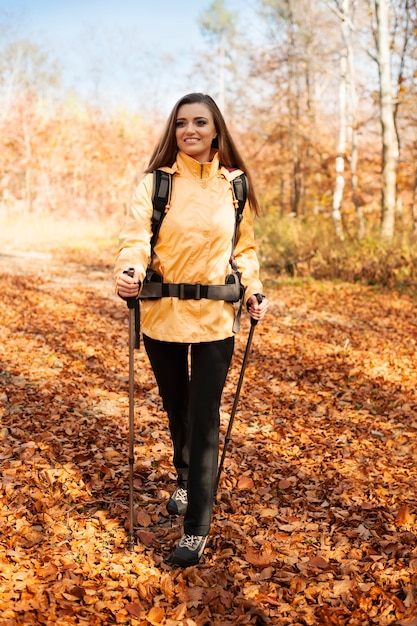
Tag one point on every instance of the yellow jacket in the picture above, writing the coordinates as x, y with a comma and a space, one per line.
194, 245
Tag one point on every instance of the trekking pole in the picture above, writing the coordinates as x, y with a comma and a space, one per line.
132, 305
236, 400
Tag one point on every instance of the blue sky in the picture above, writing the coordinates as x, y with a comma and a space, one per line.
152, 44
170, 21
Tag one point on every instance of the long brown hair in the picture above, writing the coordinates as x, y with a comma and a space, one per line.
165, 151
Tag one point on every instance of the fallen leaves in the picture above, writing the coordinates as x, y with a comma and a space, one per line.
315, 517
261, 556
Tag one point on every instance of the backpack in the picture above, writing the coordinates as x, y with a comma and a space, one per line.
153, 286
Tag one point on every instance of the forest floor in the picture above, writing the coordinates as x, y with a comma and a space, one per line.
315, 520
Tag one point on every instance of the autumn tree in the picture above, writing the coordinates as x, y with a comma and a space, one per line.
343, 113
28, 75
348, 118
404, 68
26, 68
218, 25
60, 157
389, 136
298, 70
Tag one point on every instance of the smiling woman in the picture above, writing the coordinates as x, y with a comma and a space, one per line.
195, 131
189, 331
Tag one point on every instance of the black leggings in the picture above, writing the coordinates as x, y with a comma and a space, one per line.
191, 396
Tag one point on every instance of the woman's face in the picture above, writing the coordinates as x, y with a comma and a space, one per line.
195, 131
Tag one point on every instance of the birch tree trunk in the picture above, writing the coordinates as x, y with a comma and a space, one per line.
355, 193
341, 145
389, 136
352, 107
27, 145
414, 205
294, 117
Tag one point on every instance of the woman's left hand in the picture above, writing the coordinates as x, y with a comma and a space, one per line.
257, 306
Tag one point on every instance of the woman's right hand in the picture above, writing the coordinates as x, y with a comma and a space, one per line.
128, 286
257, 306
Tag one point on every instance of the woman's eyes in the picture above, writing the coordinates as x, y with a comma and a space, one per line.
182, 123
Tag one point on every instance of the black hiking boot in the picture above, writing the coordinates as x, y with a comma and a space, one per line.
188, 552
177, 504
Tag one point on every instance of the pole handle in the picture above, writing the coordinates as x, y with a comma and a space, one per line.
131, 302
259, 297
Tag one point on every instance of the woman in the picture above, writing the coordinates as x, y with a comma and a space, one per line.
194, 246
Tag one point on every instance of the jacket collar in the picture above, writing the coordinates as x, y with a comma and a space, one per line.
187, 166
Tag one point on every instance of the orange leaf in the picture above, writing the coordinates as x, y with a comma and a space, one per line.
271, 512
134, 608
260, 558
342, 586
245, 483
179, 611
318, 561
403, 516
167, 586
156, 616
48, 571
146, 537
142, 518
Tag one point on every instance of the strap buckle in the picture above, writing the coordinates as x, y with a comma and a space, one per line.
189, 291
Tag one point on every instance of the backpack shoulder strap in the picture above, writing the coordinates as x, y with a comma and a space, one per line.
161, 196
240, 190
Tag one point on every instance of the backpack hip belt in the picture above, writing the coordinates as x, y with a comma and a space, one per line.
231, 291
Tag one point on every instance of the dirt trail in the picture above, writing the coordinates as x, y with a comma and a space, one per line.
49, 267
